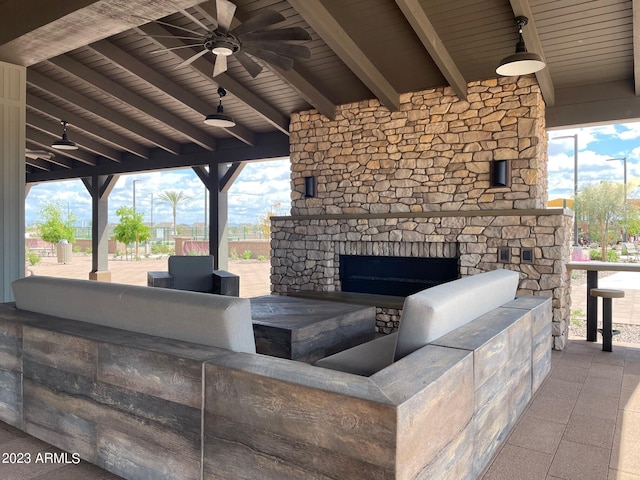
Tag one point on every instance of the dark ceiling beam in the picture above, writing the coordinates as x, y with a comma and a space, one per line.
28, 16
118, 141
636, 46
419, 21
271, 145
135, 101
135, 67
64, 158
55, 130
205, 69
38, 163
54, 88
328, 28
594, 104
294, 77
532, 41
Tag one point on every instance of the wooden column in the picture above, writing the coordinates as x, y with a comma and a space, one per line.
99, 187
12, 175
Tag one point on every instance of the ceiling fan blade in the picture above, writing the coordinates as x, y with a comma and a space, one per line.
220, 66
286, 49
194, 20
171, 25
226, 10
192, 59
174, 36
284, 63
163, 50
262, 19
249, 64
282, 34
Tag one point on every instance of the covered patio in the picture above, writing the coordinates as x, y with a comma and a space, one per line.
403, 142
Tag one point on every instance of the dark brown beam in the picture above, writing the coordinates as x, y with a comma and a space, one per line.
57, 113
268, 146
417, 17
205, 69
135, 101
325, 25
38, 163
55, 130
153, 77
54, 88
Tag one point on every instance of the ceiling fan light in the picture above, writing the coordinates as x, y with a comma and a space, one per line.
520, 63
224, 51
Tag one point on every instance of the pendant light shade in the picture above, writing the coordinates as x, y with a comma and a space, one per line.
64, 143
521, 62
220, 119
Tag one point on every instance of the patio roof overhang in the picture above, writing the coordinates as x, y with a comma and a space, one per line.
91, 63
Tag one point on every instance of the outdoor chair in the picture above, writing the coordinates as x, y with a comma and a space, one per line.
195, 274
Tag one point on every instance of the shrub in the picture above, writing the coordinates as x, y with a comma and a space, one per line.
612, 255
246, 255
262, 258
33, 258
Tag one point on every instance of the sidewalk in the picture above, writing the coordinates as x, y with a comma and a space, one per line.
254, 274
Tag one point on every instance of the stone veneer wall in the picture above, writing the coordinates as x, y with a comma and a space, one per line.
421, 175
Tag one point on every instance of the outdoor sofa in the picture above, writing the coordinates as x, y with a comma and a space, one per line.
164, 384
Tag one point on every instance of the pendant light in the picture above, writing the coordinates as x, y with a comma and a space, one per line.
521, 62
219, 119
64, 143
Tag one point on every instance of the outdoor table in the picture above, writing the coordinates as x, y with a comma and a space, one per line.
592, 269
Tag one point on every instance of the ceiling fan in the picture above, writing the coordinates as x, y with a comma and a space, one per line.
252, 38
35, 154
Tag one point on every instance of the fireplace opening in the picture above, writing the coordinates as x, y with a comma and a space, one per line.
400, 276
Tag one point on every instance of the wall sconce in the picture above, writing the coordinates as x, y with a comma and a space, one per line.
310, 186
501, 173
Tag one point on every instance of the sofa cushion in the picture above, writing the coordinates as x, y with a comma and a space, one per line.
433, 312
207, 319
194, 273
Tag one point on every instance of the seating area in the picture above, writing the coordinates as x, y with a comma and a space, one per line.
193, 390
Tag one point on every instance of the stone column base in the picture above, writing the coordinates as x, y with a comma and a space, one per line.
100, 276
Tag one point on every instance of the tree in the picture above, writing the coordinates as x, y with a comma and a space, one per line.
602, 207
131, 228
264, 222
173, 198
53, 227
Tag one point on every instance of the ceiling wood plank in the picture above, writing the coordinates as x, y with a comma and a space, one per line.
636, 46
419, 21
137, 68
55, 130
532, 41
38, 163
134, 100
205, 69
328, 28
38, 80
118, 141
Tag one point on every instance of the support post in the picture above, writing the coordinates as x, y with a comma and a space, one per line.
99, 187
13, 89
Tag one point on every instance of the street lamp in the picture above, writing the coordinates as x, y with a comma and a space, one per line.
134, 195
624, 161
575, 182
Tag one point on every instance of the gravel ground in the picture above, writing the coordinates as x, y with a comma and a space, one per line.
578, 324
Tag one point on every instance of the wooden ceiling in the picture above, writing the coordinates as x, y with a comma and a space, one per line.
92, 64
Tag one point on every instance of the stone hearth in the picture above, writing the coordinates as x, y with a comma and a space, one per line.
416, 182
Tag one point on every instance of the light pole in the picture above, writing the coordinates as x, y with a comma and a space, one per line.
624, 161
134, 196
575, 182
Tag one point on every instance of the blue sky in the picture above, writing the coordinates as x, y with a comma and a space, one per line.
261, 184
258, 187
595, 146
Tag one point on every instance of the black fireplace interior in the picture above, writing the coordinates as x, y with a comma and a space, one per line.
399, 276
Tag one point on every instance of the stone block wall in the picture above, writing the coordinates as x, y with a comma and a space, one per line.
433, 154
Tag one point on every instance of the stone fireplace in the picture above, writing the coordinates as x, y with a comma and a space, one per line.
416, 183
